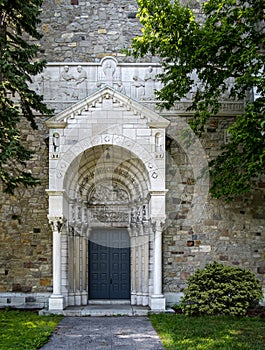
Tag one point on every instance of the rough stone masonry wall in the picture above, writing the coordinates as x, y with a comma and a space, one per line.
92, 29
88, 31
231, 233
25, 236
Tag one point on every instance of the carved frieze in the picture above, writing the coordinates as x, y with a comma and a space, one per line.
108, 216
63, 85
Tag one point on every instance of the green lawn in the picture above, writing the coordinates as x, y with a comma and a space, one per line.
25, 330
181, 332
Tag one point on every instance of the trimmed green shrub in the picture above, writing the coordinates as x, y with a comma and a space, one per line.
221, 290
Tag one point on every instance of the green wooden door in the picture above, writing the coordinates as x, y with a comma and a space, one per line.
109, 264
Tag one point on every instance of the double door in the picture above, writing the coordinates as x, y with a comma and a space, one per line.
109, 264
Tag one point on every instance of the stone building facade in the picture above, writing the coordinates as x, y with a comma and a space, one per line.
122, 211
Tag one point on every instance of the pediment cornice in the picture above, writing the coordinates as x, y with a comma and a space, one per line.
119, 101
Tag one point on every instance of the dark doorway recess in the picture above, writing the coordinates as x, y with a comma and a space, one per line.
109, 264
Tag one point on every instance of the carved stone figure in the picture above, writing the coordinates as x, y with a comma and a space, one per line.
42, 84
150, 79
66, 83
56, 142
106, 194
80, 90
139, 86
109, 70
120, 87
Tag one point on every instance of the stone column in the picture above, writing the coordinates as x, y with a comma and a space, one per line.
157, 301
84, 271
71, 300
56, 301
146, 266
77, 269
139, 290
133, 266
64, 264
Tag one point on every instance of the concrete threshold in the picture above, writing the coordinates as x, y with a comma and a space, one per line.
100, 310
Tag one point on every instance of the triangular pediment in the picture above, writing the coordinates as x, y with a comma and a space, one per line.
107, 98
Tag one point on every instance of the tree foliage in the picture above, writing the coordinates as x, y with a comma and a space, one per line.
221, 290
17, 64
227, 46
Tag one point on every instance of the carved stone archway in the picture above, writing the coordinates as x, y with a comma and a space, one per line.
107, 169
111, 190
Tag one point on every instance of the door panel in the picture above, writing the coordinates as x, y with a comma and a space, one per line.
109, 264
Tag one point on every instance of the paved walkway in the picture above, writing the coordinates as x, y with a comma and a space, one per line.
104, 333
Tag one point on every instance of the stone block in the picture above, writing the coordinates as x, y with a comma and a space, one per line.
28, 265
102, 31
261, 270
45, 282
205, 248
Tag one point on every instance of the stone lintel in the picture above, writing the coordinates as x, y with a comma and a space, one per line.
55, 125
159, 125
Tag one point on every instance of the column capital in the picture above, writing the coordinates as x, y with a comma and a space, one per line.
56, 223
158, 223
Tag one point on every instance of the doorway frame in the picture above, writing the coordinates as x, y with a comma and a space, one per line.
63, 185
106, 230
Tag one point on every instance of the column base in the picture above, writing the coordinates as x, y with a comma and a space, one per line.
71, 299
56, 302
78, 301
84, 297
158, 303
133, 298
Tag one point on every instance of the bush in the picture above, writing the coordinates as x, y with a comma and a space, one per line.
221, 290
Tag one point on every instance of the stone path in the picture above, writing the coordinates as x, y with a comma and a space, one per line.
104, 333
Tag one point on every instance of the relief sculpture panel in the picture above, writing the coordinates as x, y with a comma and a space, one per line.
63, 85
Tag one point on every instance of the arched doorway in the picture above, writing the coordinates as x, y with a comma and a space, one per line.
109, 211
107, 173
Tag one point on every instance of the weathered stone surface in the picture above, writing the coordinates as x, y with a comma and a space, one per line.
21, 248
232, 233
95, 28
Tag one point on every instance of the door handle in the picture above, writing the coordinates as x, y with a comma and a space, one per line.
111, 280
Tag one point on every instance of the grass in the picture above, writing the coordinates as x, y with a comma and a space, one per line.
180, 332
25, 330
